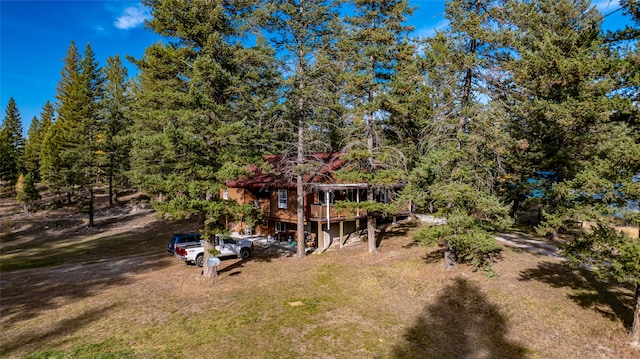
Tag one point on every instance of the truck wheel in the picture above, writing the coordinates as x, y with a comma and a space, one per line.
200, 260
244, 253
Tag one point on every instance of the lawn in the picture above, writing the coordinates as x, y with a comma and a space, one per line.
113, 292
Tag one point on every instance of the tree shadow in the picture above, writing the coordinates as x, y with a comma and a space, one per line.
28, 293
392, 230
64, 327
268, 252
232, 266
48, 276
45, 231
611, 299
461, 323
434, 256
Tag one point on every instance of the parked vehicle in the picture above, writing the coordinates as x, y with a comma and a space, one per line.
227, 246
181, 238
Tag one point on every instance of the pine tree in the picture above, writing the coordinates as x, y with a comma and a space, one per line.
187, 136
375, 39
56, 167
27, 193
50, 165
32, 148
115, 105
257, 103
11, 144
304, 34
48, 149
463, 145
79, 92
576, 116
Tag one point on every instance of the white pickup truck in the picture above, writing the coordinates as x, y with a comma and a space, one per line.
227, 246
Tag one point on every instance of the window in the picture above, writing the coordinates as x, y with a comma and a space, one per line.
225, 194
282, 198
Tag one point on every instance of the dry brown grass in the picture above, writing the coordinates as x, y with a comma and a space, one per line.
107, 301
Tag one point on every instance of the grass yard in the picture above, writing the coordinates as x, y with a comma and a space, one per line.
113, 292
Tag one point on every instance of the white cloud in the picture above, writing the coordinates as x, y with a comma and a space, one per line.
132, 17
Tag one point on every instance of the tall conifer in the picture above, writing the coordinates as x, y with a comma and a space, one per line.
79, 125
462, 147
115, 106
11, 144
191, 123
32, 148
36, 135
303, 32
574, 115
373, 51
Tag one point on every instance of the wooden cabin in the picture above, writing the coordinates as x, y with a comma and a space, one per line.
275, 194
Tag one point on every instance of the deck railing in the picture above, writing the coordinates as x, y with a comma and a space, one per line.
320, 211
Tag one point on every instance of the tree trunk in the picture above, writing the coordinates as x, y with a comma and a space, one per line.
371, 228
634, 333
90, 206
466, 95
371, 234
110, 188
206, 270
300, 187
450, 260
301, 147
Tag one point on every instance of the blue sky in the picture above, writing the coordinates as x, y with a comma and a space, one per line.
35, 36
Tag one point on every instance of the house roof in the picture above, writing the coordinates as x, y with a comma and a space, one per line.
322, 167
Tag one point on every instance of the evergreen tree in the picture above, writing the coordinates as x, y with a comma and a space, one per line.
79, 92
558, 97
32, 148
47, 155
56, 166
50, 164
375, 39
257, 103
27, 193
409, 104
11, 144
187, 136
304, 35
36, 134
463, 146
115, 109
575, 115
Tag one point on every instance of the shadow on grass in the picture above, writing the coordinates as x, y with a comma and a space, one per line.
26, 294
233, 268
399, 229
262, 253
48, 277
611, 299
461, 323
46, 232
64, 327
434, 256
